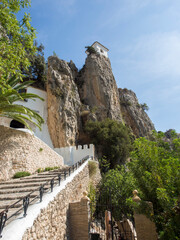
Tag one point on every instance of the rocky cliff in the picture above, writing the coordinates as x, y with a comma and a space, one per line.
133, 114
97, 88
90, 94
63, 103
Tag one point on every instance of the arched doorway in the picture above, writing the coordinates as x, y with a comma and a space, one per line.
16, 124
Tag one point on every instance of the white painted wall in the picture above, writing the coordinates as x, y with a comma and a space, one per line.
100, 49
41, 108
73, 154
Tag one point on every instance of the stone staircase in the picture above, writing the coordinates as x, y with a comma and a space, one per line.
13, 192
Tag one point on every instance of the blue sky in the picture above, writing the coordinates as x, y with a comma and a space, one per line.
143, 37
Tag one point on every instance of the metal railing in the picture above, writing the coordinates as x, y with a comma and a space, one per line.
42, 188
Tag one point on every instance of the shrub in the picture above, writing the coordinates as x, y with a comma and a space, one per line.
90, 50
40, 170
21, 174
112, 140
48, 169
144, 106
92, 168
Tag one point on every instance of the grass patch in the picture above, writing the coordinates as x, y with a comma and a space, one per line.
39, 170
21, 174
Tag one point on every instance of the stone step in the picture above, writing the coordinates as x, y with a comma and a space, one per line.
24, 185
35, 180
19, 190
26, 180
12, 211
39, 178
6, 203
48, 174
17, 195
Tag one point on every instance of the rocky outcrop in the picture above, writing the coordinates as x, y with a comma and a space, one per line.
63, 102
90, 94
98, 90
133, 114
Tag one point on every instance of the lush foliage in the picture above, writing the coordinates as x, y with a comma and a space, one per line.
21, 174
155, 166
37, 70
9, 108
16, 50
112, 140
118, 184
154, 170
16, 39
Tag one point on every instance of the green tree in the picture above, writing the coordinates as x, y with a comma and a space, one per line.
91, 50
118, 184
37, 70
156, 168
16, 38
144, 106
16, 49
112, 140
9, 108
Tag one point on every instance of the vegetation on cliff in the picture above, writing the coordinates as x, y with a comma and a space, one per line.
37, 71
112, 140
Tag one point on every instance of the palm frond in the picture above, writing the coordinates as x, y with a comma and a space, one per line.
23, 85
13, 81
21, 96
20, 109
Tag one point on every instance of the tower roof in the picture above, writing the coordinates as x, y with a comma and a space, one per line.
99, 44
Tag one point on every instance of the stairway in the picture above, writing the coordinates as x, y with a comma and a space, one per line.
13, 192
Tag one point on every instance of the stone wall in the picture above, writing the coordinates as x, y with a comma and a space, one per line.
145, 228
79, 220
21, 151
53, 221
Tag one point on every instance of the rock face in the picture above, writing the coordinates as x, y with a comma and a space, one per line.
63, 103
90, 94
133, 114
97, 88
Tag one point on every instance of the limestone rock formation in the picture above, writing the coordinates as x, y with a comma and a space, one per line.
97, 88
90, 94
133, 114
63, 102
